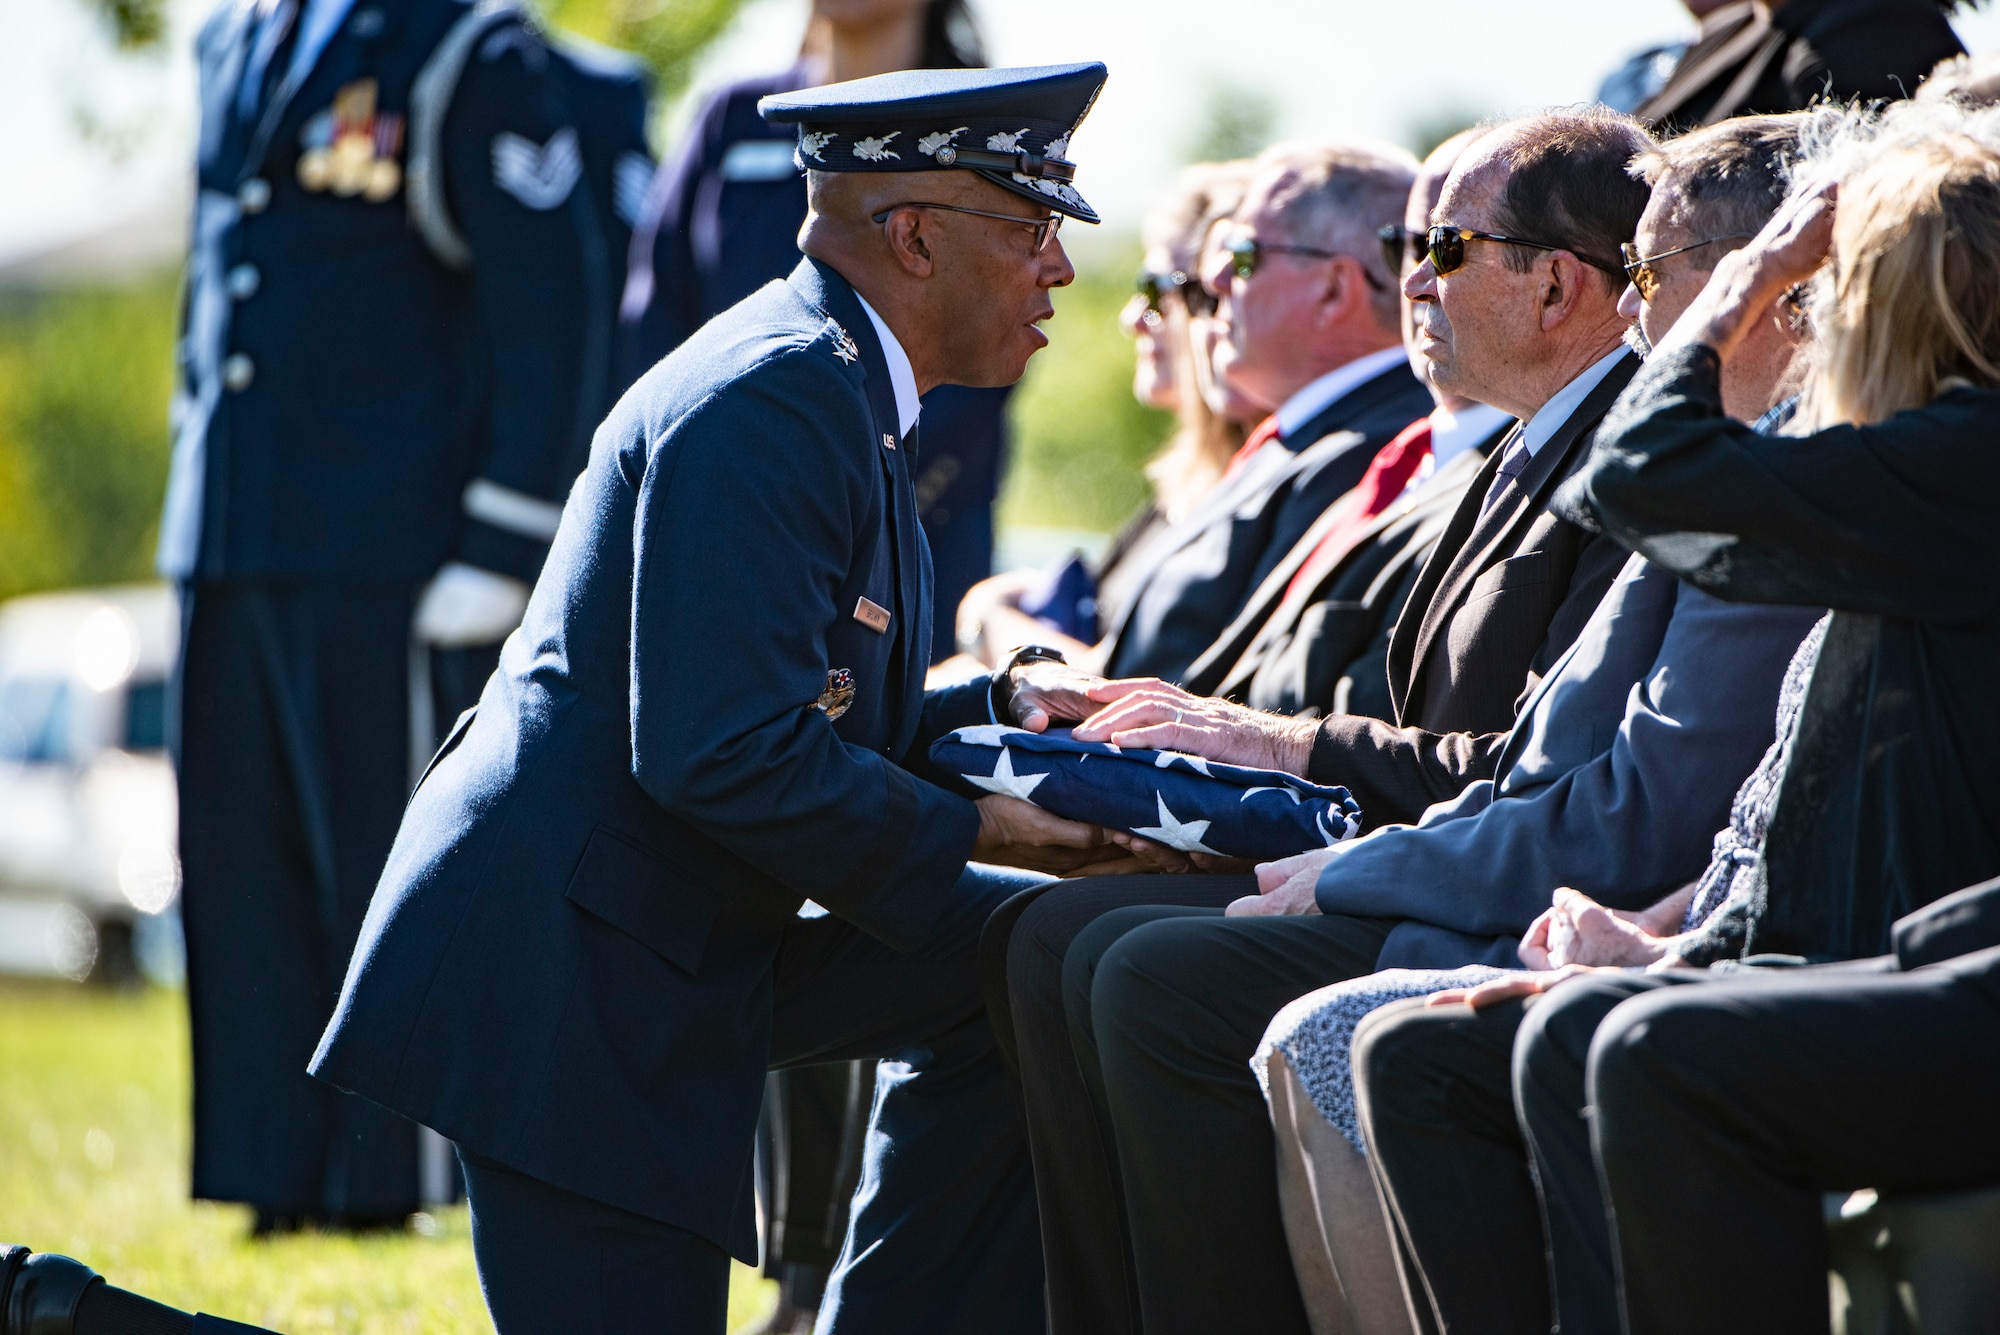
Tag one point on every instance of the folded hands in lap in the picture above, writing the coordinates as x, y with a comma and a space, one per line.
1576, 935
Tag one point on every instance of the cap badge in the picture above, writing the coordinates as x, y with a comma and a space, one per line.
1005, 141
871, 149
812, 142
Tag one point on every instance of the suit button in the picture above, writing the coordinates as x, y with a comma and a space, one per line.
253, 195
242, 281
237, 372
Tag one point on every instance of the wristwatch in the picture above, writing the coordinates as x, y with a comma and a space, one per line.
1000, 695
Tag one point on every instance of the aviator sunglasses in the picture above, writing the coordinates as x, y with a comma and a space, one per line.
1246, 252
1445, 245
1639, 268
1045, 228
1157, 287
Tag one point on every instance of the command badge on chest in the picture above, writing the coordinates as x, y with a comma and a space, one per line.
350, 148
838, 695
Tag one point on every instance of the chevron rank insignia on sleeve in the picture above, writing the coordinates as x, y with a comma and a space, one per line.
540, 176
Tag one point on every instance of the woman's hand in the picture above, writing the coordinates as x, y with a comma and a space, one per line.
1152, 715
1576, 929
1748, 284
1511, 986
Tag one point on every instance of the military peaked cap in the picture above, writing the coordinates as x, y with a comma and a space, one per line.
1012, 126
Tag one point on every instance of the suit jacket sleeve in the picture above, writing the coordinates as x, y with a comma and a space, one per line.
1865, 519
543, 286
1625, 827
748, 513
1956, 925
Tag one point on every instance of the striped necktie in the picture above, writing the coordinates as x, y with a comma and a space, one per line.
1511, 467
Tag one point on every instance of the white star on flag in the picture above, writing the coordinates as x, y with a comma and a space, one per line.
1006, 782
1184, 835
1166, 759
988, 734
1249, 793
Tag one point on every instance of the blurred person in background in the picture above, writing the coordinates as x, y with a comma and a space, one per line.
1751, 57
722, 219
394, 347
1310, 319
1169, 319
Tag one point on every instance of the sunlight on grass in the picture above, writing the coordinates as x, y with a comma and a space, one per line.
93, 1164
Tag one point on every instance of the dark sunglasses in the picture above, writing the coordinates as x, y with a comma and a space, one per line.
1246, 252
1400, 246
1639, 268
1045, 228
1446, 247
1157, 287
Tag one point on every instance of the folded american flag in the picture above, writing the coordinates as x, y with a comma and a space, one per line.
1182, 801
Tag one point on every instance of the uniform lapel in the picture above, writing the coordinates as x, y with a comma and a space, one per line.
911, 623
316, 32
224, 46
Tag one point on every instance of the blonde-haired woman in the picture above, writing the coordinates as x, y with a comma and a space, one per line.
1169, 321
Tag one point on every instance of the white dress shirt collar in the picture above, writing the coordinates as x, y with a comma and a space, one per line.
902, 378
1322, 393
1453, 433
1548, 419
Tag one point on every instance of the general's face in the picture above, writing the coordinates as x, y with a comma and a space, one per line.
996, 283
1154, 326
1471, 322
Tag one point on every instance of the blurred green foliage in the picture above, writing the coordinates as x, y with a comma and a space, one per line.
1235, 121
667, 34
135, 24
1080, 438
85, 375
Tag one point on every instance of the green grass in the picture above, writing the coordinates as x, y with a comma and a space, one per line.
93, 1164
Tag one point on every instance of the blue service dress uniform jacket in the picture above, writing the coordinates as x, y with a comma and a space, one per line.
568, 966
721, 221
397, 322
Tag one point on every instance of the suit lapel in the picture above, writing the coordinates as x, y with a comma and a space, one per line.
1483, 536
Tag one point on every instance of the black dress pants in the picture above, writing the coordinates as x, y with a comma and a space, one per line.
1723, 1112
1176, 1003
1091, 1290
1436, 1089
292, 756
550, 1260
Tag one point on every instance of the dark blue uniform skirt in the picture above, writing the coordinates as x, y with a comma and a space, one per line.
293, 760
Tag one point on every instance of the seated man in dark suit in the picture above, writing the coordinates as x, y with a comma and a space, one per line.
1313, 637
1311, 317
1879, 807
1501, 599
586, 950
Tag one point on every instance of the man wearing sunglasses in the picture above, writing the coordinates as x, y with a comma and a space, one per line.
588, 945
1168, 1004
1311, 317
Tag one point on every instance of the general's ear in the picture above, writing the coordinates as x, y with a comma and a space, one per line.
909, 242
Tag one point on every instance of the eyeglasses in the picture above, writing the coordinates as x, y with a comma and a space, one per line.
1246, 252
1045, 228
1639, 268
1446, 247
1156, 287
1400, 246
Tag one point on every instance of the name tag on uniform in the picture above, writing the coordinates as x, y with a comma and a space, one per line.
872, 615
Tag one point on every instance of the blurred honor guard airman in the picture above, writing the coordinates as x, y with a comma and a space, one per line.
586, 950
396, 341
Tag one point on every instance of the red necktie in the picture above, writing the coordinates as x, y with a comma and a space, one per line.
1266, 432
1388, 474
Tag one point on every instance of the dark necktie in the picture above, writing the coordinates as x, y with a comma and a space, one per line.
266, 61
1511, 467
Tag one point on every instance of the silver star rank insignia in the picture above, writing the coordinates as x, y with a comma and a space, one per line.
844, 346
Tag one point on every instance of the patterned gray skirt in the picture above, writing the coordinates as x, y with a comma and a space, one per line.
1316, 1033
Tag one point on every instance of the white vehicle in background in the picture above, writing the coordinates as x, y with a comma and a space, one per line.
89, 876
